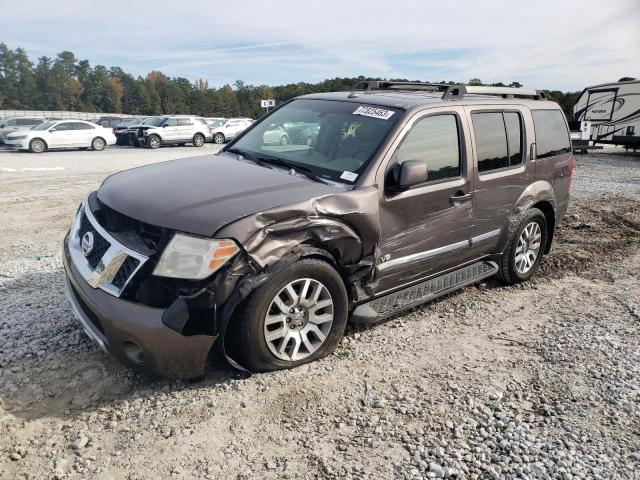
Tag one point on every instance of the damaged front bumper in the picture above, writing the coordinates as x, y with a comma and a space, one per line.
136, 334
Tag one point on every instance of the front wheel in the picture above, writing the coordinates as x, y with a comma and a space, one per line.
522, 257
37, 145
284, 140
154, 142
218, 138
198, 140
298, 316
98, 144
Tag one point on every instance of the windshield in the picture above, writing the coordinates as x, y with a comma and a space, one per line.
156, 122
45, 125
335, 140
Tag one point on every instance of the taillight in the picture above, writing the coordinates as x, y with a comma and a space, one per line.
572, 164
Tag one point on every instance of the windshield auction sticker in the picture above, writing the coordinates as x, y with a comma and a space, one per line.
374, 112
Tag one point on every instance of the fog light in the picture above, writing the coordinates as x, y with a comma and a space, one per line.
133, 352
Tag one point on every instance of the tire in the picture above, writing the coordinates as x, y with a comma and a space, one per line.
532, 236
218, 138
198, 140
98, 144
154, 142
284, 140
302, 337
37, 145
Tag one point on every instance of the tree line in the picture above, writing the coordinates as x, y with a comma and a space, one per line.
66, 83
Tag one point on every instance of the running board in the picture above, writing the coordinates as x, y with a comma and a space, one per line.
384, 307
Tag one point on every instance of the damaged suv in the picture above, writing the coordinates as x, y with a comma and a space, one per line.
408, 191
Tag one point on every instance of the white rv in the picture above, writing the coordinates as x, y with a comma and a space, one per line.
610, 113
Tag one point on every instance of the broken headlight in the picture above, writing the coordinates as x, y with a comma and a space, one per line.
194, 258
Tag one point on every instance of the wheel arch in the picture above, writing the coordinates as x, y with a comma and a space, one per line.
46, 145
547, 209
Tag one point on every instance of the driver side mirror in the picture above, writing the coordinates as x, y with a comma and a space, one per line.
412, 173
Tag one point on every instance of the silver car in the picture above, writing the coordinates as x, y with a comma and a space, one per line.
228, 129
173, 130
14, 124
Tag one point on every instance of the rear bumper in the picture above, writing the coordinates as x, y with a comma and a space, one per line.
132, 332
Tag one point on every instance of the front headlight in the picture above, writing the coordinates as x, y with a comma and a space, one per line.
17, 137
194, 258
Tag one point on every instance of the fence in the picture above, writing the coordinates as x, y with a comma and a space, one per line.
62, 115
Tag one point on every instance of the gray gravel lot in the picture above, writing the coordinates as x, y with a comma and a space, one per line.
535, 381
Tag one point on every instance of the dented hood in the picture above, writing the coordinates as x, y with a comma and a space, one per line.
200, 195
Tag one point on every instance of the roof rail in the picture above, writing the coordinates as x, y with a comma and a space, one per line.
459, 91
369, 85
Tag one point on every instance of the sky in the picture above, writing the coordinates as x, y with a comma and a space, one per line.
546, 44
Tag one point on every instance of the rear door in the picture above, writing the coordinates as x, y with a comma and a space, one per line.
502, 171
185, 129
425, 229
82, 134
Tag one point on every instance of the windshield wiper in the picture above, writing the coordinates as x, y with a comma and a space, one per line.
264, 160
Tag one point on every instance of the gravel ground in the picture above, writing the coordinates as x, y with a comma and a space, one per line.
535, 381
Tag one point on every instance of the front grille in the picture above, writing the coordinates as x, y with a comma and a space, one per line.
124, 273
102, 260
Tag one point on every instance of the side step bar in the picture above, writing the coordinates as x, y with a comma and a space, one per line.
384, 307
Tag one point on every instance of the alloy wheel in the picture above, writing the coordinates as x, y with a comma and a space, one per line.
299, 319
528, 247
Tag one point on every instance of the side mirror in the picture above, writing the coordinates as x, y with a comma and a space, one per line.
164, 125
412, 172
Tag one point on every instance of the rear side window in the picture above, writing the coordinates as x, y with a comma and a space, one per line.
27, 121
498, 139
552, 136
81, 126
434, 140
183, 122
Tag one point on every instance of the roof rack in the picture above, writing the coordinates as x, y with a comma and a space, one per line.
369, 85
459, 91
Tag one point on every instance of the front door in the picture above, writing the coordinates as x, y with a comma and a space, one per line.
60, 136
425, 229
170, 130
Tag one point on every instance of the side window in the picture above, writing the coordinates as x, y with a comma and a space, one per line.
552, 137
10, 123
171, 122
491, 141
434, 140
81, 126
23, 122
184, 122
61, 127
514, 136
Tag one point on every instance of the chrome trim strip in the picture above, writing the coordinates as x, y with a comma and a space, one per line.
485, 236
89, 329
421, 255
111, 261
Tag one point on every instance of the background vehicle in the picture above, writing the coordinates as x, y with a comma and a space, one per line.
173, 130
132, 132
121, 130
52, 134
609, 113
14, 124
107, 121
297, 133
409, 192
226, 130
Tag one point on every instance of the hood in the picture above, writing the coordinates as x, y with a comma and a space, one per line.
201, 195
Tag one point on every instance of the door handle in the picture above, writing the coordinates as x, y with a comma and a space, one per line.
460, 197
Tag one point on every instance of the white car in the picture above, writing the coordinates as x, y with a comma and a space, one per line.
225, 130
55, 134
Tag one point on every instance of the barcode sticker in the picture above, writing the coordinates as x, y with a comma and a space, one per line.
374, 112
349, 176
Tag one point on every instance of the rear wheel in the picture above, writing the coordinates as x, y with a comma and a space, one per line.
218, 138
98, 144
37, 145
154, 142
521, 259
198, 140
284, 140
298, 316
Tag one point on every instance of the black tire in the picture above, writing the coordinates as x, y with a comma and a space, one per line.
246, 333
198, 140
509, 272
154, 141
219, 139
98, 144
284, 140
37, 145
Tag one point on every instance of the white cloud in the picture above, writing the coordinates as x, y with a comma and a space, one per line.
546, 44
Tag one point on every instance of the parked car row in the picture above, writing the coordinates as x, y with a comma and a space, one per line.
41, 134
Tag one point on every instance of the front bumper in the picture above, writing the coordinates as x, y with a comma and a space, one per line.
16, 144
134, 333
